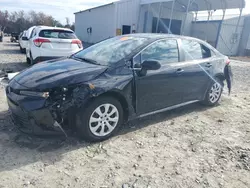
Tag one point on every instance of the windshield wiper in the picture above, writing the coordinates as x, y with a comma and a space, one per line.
86, 59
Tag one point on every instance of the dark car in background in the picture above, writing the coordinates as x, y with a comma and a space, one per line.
14, 37
122, 78
1, 36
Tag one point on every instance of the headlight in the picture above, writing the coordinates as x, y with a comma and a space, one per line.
35, 94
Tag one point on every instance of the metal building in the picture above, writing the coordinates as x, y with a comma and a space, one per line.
156, 16
99, 23
229, 36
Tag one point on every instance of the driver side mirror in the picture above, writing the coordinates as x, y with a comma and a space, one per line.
25, 38
151, 65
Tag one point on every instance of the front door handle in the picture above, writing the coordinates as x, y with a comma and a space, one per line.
179, 71
208, 65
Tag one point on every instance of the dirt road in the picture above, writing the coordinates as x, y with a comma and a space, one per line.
193, 146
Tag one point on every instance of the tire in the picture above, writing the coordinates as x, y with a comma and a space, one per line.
214, 92
27, 60
98, 129
22, 50
31, 59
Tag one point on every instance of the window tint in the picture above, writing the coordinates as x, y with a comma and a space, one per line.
192, 50
206, 52
24, 34
164, 51
33, 33
58, 34
137, 59
112, 50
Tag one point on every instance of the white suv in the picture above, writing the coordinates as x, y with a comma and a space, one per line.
47, 43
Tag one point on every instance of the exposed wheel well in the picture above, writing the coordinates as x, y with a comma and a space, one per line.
220, 77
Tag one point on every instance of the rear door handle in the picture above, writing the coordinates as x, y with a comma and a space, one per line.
179, 71
208, 65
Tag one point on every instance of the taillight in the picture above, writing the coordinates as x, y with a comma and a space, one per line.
38, 42
78, 42
227, 61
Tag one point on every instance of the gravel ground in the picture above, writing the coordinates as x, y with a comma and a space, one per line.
193, 146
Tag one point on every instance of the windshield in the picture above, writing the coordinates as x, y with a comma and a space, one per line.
58, 34
111, 50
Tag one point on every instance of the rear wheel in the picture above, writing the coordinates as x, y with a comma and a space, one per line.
214, 93
100, 119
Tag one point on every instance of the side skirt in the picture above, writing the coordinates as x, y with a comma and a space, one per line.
167, 109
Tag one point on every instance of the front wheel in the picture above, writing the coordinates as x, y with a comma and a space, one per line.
100, 119
214, 93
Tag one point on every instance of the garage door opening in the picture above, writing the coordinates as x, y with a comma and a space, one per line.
126, 29
163, 26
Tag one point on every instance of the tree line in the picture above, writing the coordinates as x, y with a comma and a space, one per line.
19, 21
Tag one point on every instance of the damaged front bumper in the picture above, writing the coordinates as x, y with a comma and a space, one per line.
45, 115
33, 115
38, 122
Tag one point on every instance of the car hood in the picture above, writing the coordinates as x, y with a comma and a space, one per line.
57, 73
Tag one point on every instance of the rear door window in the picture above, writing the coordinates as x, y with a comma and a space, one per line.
206, 52
194, 50
57, 34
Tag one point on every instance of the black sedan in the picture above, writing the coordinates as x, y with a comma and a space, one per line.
122, 78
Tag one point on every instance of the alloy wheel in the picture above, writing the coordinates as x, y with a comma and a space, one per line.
215, 92
103, 120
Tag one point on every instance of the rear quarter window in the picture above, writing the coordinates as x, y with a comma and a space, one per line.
194, 50
57, 34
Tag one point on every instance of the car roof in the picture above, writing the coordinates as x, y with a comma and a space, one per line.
157, 36
42, 27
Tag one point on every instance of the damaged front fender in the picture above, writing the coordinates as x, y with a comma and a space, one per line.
108, 83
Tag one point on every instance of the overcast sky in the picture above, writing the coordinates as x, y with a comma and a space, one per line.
62, 8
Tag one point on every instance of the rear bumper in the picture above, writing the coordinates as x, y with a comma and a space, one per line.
45, 58
228, 77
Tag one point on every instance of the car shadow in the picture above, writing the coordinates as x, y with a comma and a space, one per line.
14, 67
10, 51
51, 149
8, 43
140, 123
30, 148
